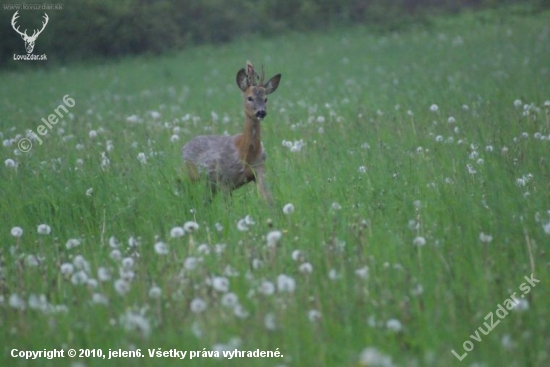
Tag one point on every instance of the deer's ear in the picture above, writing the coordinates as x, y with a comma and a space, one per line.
242, 80
272, 84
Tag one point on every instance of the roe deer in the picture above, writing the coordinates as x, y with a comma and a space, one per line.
229, 162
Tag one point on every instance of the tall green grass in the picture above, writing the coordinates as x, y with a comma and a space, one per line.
420, 196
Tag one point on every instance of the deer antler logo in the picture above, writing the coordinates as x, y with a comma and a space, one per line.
29, 40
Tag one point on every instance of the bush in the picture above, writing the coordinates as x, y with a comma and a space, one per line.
103, 28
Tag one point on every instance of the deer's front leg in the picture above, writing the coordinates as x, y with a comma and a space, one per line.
262, 185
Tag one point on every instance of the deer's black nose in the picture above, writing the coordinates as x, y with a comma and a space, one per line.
261, 114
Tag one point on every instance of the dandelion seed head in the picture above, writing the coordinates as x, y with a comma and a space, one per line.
394, 325
204, 249
197, 305
16, 231
273, 238
521, 305
142, 158
66, 268
15, 301
362, 272
31, 260
257, 263
115, 254
417, 290
79, 277
288, 209
230, 300
134, 321
161, 248
220, 284
155, 292
127, 263
80, 263
314, 315
419, 241
72, 243
190, 263
134, 242
297, 255
43, 229
371, 357
285, 283
190, 226
485, 238
177, 232
241, 225
434, 108
100, 299
240, 312
333, 274
103, 274
113, 242
270, 321
122, 286
305, 268
249, 220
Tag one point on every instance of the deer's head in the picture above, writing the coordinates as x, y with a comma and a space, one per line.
29, 40
255, 91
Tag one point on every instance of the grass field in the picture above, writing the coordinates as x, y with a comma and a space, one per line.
417, 165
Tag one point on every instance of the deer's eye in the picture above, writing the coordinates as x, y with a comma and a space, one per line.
250, 99
265, 100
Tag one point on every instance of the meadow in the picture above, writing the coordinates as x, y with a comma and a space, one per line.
411, 178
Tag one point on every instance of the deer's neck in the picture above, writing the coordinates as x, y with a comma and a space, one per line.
249, 142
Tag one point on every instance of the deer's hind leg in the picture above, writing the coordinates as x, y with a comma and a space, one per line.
193, 171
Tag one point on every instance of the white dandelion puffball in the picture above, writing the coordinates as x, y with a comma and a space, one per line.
285, 283
267, 288
161, 248
197, 305
372, 357
10, 163
288, 209
73, 242
190, 226
155, 292
221, 284
419, 241
122, 286
273, 238
142, 158
394, 325
43, 229
16, 231
177, 232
